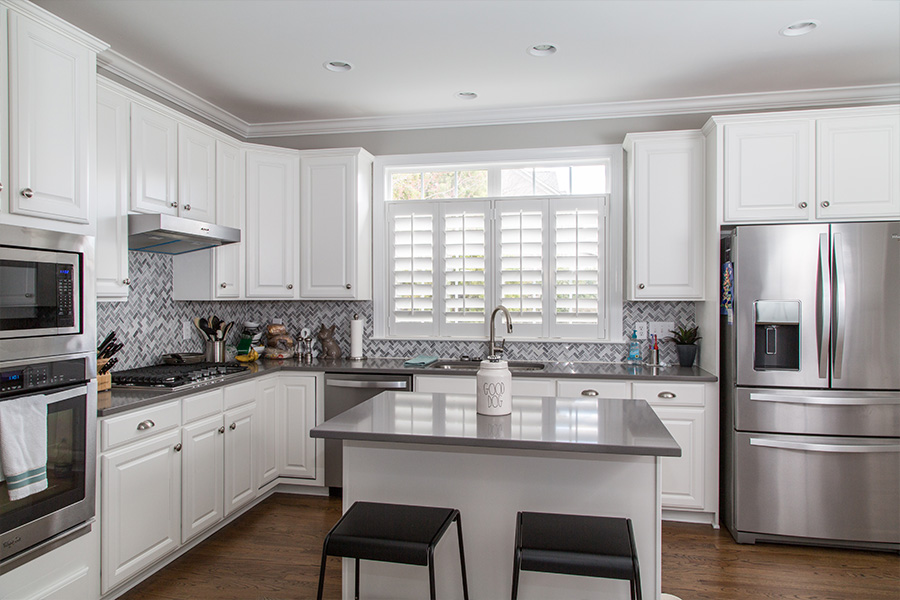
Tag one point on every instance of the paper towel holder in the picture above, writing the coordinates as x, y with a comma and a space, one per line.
353, 332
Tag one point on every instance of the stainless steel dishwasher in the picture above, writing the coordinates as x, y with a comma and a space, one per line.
343, 391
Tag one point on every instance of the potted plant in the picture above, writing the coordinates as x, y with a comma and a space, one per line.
685, 339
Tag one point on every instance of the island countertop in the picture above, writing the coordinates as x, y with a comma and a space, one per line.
587, 425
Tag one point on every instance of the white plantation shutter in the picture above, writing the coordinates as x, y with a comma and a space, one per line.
465, 242
412, 241
578, 275
521, 232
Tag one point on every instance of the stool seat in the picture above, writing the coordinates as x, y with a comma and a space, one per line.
394, 533
576, 545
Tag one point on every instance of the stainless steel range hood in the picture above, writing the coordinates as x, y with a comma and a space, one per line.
167, 234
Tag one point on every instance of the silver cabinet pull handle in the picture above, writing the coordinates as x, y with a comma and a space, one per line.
187, 207
590, 393
803, 205
223, 285
28, 192
222, 429
666, 395
178, 447
290, 286
145, 425
233, 426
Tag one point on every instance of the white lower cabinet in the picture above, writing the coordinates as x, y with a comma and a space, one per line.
202, 475
682, 477
240, 456
267, 425
296, 415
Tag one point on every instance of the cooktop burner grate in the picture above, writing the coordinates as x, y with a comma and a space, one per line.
175, 377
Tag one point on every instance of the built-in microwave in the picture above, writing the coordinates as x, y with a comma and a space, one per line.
45, 292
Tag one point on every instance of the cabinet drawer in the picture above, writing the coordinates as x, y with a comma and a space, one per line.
139, 424
240, 393
202, 405
592, 388
669, 394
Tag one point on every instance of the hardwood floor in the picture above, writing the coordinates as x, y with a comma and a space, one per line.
273, 553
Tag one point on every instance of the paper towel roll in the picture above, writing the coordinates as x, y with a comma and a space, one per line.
356, 339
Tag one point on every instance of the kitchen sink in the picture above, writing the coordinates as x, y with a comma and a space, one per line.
472, 365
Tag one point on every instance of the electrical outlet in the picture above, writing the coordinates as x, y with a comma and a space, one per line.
661, 328
641, 328
187, 330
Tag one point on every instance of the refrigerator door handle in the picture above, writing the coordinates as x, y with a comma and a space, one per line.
850, 448
823, 306
827, 400
840, 304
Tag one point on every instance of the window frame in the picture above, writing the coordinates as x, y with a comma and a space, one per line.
384, 166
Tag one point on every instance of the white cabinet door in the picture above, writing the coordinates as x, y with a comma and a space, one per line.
272, 245
228, 282
858, 167
140, 506
335, 225
202, 475
665, 216
51, 120
154, 161
769, 171
240, 456
111, 263
296, 416
589, 388
267, 425
683, 477
196, 174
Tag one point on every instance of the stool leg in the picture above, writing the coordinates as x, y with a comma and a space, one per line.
636, 580
517, 557
322, 570
356, 580
462, 556
431, 574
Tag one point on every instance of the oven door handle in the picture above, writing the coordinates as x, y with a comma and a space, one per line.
60, 396
848, 448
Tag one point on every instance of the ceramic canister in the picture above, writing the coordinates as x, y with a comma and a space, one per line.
494, 393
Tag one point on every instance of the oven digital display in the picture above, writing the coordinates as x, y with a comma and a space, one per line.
11, 380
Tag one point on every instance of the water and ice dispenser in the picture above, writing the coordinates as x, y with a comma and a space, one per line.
777, 335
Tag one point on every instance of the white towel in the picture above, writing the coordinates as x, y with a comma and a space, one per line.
23, 445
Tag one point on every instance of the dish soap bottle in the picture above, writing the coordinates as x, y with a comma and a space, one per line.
634, 348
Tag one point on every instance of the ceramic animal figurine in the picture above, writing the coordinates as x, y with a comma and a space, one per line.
330, 348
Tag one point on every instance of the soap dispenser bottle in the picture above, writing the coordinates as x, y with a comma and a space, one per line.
634, 348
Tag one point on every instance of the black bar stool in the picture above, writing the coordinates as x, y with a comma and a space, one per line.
394, 533
576, 545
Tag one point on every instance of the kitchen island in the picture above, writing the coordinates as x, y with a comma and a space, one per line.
594, 456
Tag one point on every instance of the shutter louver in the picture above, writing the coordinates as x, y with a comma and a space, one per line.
465, 257
522, 263
412, 262
577, 264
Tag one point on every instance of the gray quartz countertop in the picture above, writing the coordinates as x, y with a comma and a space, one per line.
124, 399
598, 426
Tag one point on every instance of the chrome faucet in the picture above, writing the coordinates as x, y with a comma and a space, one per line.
494, 349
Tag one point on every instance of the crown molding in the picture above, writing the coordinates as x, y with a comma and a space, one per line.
115, 64
50, 20
149, 81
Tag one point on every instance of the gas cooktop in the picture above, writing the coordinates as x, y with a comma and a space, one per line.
176, 377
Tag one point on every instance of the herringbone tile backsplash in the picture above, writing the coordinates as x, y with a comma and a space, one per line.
150, 323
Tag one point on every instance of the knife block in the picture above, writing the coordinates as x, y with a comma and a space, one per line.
104, 382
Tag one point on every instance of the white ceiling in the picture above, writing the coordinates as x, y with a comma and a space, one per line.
261, 61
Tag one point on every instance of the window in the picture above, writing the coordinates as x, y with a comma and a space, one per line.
453, 240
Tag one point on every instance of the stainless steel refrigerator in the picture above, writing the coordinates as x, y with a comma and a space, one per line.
811, 383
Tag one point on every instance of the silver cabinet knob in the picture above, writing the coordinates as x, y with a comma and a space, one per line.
826, 204
641, 286
1, 186
233, 426
173, 204
126, 281
222, 429
178, 447
223, 285
665, 395
187, 207
803, 205
349, 286
145, 425
590, 393
28, 192
290, 286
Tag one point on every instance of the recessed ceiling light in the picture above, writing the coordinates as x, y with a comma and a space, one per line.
799, 28
466, 95
542, 50
338, 66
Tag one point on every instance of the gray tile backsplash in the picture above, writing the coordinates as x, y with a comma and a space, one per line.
150, 323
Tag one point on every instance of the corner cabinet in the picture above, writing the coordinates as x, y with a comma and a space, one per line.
822, 165
665, 204
272, 224
336, 224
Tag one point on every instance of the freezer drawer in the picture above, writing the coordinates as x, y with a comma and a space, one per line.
829, 488
818, 412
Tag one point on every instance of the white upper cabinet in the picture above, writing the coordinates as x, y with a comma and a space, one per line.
230, 201
665, 199
272, 228
336, 224
111, 263
859, 166
52, 95
822, 165
196, 174
154, 161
